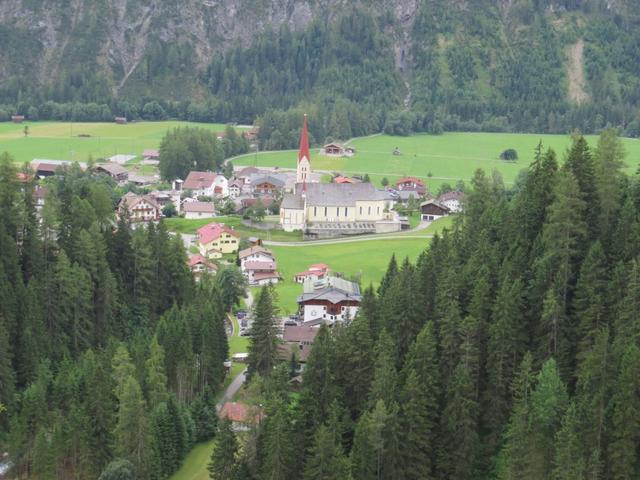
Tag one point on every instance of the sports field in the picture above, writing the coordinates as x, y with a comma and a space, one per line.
447, 157
76, 141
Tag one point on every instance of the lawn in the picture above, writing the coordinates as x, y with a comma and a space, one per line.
447, 157
189, 226
61, 140
195, 463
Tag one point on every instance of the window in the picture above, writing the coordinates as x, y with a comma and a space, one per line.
325, 211
369, 210
337, 211
315, 211
346, 212
360, 210
378, 210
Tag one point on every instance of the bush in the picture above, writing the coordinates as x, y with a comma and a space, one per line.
509, 155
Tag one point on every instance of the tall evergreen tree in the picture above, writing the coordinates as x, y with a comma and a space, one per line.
222, 465
263, 347
326, 459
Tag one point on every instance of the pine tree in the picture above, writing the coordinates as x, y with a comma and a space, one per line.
326, 460
279, 451
385, 376
569, 461
391, 272
609, 162
222, 465
263, 347
580, 163
623, 449
155, 380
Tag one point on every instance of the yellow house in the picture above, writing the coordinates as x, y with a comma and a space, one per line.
215, 239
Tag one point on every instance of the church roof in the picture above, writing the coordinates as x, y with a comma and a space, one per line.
341, 195
304, 142
294, 201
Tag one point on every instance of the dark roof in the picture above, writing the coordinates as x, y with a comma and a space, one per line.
292, 200
112, 169
295, 333
436, 203
337, 194
451, 196
199, 180
277, 182
331, 294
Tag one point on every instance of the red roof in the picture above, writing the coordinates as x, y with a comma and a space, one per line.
197, 259
238, 412
304, 141
415, 180
343, 180
199, 180
212, 231
319, 266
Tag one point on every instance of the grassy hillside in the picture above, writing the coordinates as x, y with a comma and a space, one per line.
448, 157
63, 140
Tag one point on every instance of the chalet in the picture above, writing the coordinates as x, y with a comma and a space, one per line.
329, 301
298, 339
266, 185
143, 180
258, 265
17, 118
242, 416
115, 171
260, 273
337, 150
216, 239
315, 272
120, 120
432, 210
235, 188
206, 184
247, 202
252, 134
165, 197
199, 210
200, 266
454, 201
255, 254
412, 184
142, 208
39, 194
47, 168
151, 155
245, 174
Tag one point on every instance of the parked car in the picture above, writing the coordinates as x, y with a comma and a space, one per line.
241, 314
245, 332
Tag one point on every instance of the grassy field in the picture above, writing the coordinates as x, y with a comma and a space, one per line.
61, 141
189, 226
447, 157
195, 463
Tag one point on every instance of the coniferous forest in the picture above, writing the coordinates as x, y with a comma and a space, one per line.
509, 350
109, 353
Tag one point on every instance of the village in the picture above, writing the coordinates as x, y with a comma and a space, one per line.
296, 202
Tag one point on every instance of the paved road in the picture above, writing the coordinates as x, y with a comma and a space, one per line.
232, 389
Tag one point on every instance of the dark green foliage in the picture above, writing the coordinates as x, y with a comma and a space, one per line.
225, 448
119, 470
263, 348
510, 155
186, 149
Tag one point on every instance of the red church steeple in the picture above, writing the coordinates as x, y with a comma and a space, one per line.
304, 141
304, 159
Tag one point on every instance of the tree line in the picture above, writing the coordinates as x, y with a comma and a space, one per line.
109, 352
510, 349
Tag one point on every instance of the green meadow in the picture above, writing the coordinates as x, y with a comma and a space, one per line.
447, 157
76, 141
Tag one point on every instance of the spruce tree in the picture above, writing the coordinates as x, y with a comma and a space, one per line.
326, 460
222, 465
385, 377
155, 380
569, 462
263, 347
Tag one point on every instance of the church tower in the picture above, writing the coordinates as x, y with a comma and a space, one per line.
304, 159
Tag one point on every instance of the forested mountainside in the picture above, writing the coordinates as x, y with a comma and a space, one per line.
527, 65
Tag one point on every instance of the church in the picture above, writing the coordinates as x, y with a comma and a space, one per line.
326, 210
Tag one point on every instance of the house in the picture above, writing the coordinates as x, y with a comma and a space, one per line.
47, 168
235, 188
341, 179
432, 209
199, 210
200, 266
120, 159
259, 265
252, 134
337, 150
255, 254
242, 416
266, 185
151, 155
120, 120
17, 118
206, 184
216, 239
298, 339
244, 175
143, 180
315, 272
242, 204
325, 210
142, 208
39, 194
165, 197
115, 171
260, 273
454, 201
412, 184
331, 300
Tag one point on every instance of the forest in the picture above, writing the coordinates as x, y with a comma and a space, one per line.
466, 68
109, 352
509, 350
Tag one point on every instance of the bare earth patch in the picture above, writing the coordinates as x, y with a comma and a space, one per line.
575, 71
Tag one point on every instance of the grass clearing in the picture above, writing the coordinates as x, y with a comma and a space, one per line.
447, 157
189, 226
61, 140
195, 463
